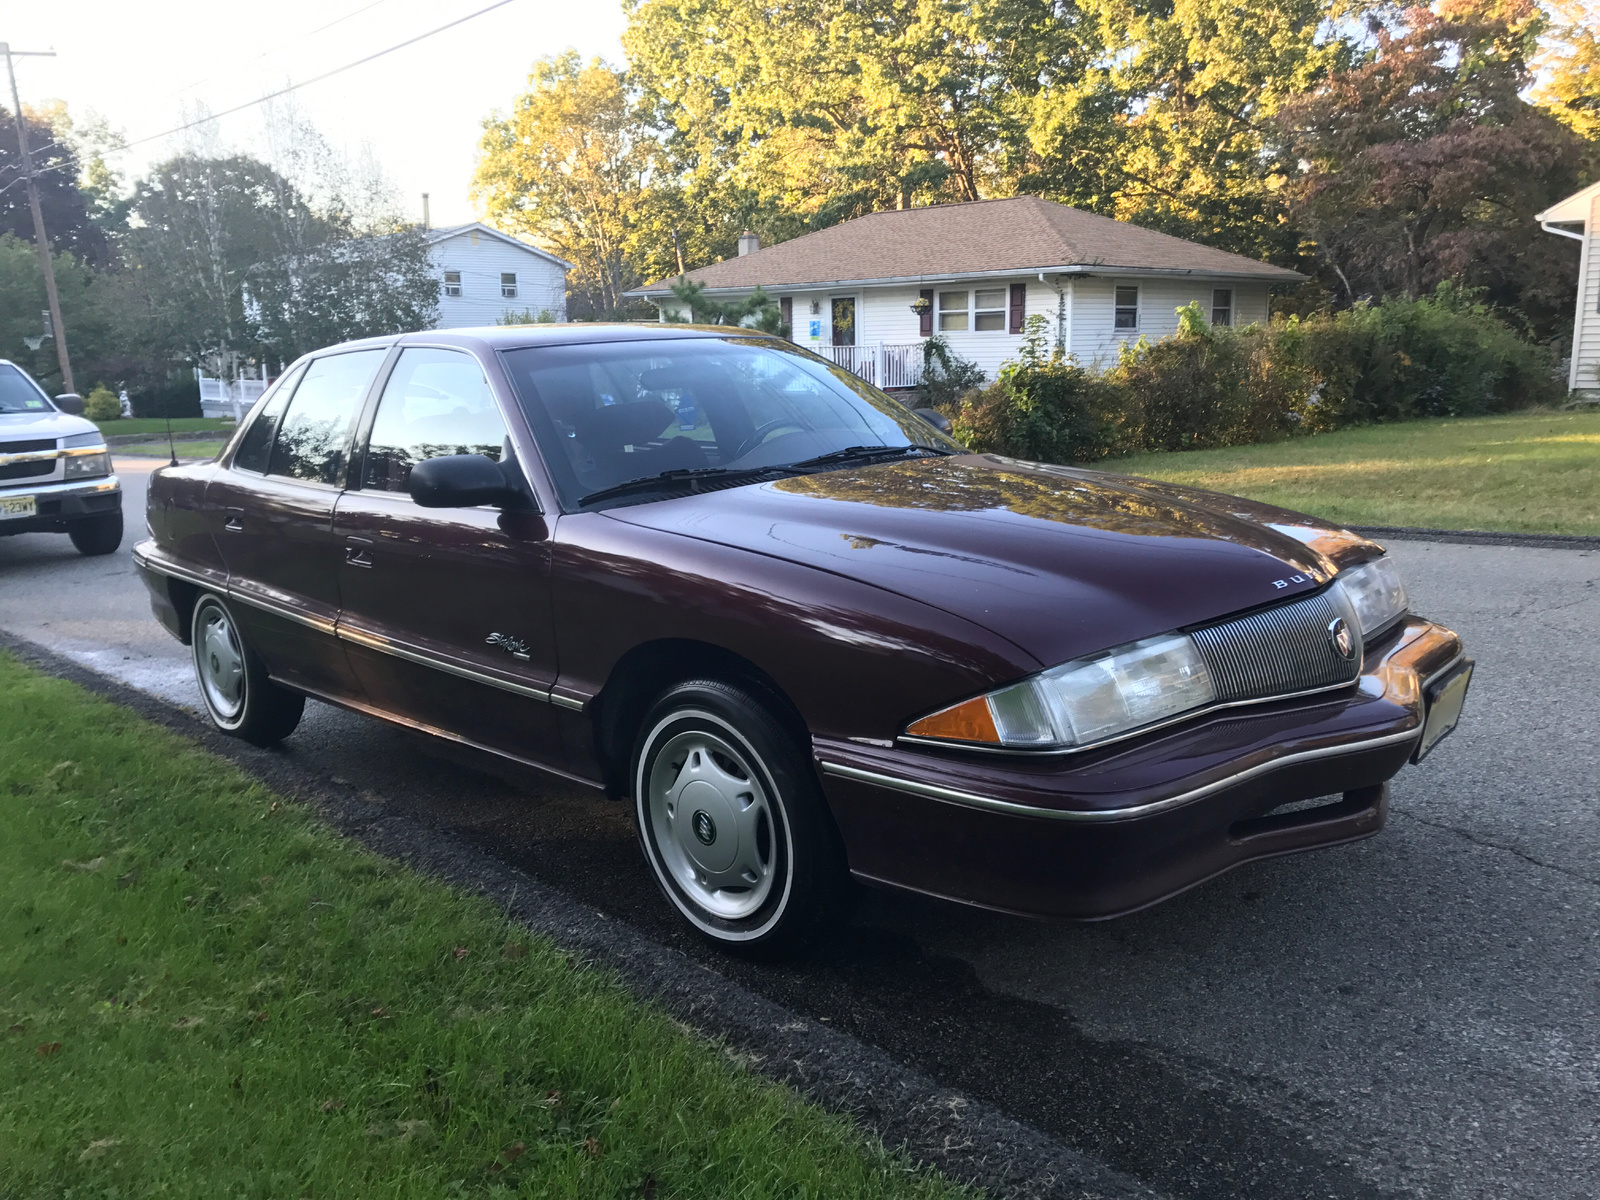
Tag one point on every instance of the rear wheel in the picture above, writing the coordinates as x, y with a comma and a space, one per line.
100, 534
732, 821
241, 700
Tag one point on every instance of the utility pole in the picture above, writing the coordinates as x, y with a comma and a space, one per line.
40, 238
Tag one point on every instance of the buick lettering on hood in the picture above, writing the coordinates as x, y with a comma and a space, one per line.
803, 633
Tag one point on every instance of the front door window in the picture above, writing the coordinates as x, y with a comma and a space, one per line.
844, 320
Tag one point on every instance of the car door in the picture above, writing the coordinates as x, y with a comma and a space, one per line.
446, 612
275, 506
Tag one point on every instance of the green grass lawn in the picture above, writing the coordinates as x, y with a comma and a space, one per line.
184, 449
1526, 472
143, 425
203, 993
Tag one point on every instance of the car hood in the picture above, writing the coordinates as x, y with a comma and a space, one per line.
1060, 561
43, 424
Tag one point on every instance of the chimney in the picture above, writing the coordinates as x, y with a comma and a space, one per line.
749, 243
425, 223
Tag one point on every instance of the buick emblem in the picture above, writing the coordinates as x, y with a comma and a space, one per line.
1340, 637
704, 827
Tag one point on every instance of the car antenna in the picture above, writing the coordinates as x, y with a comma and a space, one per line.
171, 445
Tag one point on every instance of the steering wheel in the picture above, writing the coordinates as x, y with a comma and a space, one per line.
764, 431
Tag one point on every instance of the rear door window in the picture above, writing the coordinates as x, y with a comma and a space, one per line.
313, 441
255, 447
436, 402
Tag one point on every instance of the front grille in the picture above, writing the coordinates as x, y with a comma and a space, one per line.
27, 470
1279, 651
27, 447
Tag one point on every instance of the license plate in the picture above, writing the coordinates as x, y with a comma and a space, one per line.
1445, 698
18, 506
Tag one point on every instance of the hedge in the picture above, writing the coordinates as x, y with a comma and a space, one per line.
1441, 355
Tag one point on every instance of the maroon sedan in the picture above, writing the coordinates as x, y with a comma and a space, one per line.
809, 635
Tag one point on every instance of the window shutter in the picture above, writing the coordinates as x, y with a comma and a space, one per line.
786, 313
1019, 304
925, 319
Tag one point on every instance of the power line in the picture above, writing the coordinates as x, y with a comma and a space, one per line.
294, 87
189, 87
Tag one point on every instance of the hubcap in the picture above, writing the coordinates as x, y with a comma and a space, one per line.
220, 663
712, 822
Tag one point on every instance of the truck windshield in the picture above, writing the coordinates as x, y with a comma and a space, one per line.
615, 413
18, 393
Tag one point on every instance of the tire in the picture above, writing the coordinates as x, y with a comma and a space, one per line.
744, 848
96, 535
241, 701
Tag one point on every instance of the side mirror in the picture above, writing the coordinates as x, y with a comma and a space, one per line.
463, 481
70, 402
935, 418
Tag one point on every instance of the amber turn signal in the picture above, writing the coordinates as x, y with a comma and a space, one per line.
969, 721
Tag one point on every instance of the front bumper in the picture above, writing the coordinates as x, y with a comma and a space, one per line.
60, 503
1105, 833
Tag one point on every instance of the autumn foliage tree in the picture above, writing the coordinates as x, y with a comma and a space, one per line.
1424, 163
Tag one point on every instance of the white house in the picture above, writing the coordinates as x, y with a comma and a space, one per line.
1578, 217
869, 292
485, 274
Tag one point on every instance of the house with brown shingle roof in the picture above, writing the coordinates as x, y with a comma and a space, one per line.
868, 292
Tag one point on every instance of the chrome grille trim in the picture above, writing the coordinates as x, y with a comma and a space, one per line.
1280, 650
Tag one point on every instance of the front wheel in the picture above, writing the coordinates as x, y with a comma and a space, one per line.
100, 534
732, 821
241, 701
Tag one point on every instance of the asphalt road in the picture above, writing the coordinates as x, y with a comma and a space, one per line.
1412, 1016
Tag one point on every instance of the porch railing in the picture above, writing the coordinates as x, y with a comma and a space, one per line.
886, 364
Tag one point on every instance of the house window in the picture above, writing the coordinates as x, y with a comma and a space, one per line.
989, 310
452, 283
508, 284
1127, 308
952, 310
1222, 306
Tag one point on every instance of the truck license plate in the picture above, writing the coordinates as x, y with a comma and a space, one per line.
18, 506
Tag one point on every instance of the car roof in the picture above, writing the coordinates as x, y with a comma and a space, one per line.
514, 337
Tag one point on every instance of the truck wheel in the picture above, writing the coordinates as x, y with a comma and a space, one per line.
732, 820
96, 535
241, 701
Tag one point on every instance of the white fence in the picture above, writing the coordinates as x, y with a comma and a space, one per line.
885, 364
228, 397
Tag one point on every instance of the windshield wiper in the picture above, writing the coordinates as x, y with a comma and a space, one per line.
673, 478
852, 453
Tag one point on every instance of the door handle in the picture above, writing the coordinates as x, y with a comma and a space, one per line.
234, 524
357, 556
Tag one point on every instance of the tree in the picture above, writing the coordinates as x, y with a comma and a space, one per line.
1173, 129
1424, 163
570, 166
1569, 66
755, 311
227, 260
66, 208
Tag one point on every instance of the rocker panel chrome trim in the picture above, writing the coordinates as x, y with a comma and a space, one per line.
933, 791
383, 645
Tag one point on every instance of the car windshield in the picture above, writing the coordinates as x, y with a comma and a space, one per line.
18, 394
613, 412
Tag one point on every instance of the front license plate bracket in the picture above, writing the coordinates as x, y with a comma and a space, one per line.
18, 507
1443, 698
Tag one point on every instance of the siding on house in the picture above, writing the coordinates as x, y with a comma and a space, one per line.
884, 315
1586, 327
482, 258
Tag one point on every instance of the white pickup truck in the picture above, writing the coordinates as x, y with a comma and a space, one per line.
55, 469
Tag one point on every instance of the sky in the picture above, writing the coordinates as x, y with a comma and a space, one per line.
419, 110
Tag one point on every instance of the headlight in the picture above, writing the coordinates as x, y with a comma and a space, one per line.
1376, 593
83, 466
77, 441
1081, 702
